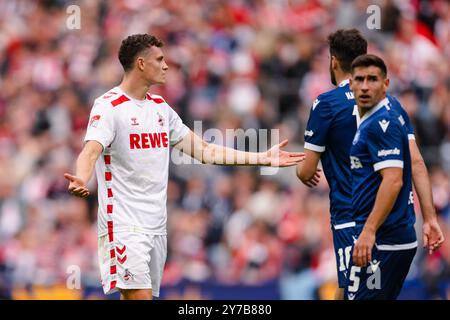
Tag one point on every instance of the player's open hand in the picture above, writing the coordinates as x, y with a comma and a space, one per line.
432, 235
362, 252
276, 157
76, 186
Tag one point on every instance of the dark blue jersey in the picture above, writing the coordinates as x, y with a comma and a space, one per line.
330, 130
381, 141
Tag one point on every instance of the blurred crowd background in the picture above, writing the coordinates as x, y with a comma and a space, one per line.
233, 64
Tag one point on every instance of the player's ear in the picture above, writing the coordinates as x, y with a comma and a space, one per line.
140, 63
350, 83
334, 63
386, 83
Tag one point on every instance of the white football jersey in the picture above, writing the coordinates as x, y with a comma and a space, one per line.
133, 170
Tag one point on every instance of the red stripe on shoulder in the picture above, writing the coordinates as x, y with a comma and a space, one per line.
158, 100
119, 100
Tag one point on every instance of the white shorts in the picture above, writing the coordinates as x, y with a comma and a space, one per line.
132, 260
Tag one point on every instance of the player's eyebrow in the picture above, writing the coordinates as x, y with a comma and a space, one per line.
160, 58
359, 78
372, 77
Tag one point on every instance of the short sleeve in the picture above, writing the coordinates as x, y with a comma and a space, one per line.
319, 122
101, 125
177, 129
384, 143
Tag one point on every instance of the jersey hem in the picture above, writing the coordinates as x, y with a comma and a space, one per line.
396, 247
314, 147
388, 164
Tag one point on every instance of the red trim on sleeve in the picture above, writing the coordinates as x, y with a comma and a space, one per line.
108, 176
109, 208
107, 158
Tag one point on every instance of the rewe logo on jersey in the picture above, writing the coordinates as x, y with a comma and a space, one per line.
315, 103
149, 140
383, 124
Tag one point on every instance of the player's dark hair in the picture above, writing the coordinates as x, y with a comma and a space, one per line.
346, 45
367, 60
133, 45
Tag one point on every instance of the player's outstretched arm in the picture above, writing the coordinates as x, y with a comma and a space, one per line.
432, 233
391, 184
307, 170
210, 153
85, 166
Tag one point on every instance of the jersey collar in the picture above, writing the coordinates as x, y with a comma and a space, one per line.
344, 82
139, 103
381, 104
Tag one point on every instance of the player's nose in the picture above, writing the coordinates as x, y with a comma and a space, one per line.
365, 86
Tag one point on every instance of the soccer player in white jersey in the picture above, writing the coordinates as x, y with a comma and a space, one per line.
127, 140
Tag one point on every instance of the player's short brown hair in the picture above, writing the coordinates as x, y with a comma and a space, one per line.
367, 60
133, 45
346, 45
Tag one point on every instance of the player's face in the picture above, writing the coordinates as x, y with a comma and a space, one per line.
153, 65
369, 86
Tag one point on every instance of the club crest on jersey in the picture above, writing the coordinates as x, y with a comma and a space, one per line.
355, 163
94, 121
383, 124
160, 120
134, 122
128, 275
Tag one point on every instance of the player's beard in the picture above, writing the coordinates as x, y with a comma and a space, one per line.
332, 76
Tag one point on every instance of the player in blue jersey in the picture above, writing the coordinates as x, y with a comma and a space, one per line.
383, 206
328, 137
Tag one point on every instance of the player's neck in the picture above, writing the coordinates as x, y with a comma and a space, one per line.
133, 87
341, 76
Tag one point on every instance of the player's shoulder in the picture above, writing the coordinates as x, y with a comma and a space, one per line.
384, 121
336, 96
156, 98
111, 99
329, 95
323, 102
